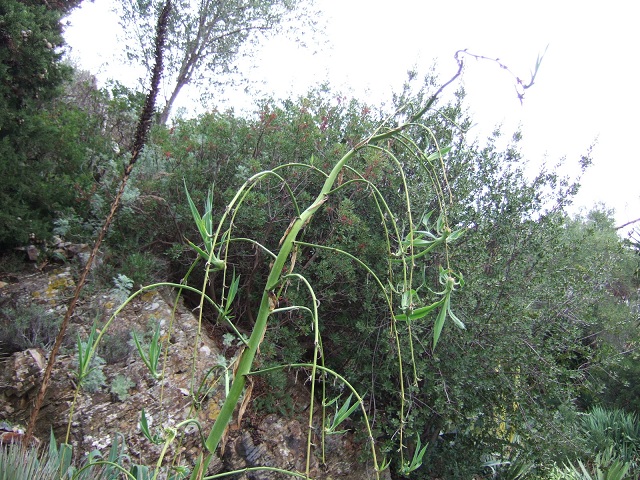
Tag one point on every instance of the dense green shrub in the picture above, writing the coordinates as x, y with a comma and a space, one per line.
42, 142
59, 134
507, 385
545, 297
617, 385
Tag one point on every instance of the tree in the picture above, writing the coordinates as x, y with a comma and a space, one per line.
204, 37
42, 141
611, 266
30, 70
116, 106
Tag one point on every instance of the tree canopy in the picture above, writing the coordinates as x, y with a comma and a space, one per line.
204, 38
41, 137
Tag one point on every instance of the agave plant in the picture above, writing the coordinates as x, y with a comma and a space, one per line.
613, 430
613, 437
605, 466
18, 462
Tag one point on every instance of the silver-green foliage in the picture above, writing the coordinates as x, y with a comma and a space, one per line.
120, 386
122, 287
27, 325
90, 374
56, 463
17, 463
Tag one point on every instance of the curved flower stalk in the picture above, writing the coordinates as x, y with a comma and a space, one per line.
278, 273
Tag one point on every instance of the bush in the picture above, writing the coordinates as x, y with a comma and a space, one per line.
27, 326
115, 347
142, 268
120, 386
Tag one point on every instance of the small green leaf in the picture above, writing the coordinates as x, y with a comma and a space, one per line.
407, 299
438, 154
155, 348
199, 251
384, 464
194, 212
437, 326
216, 263
341, 415
455, 319
440, 224
455, 235
426, 219
144, 428
233, 290
345, 410
140, 472
418, 313
416, 461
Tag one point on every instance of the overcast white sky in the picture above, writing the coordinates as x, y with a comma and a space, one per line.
586, 88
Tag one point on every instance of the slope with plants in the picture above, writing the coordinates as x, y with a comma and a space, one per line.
345, 241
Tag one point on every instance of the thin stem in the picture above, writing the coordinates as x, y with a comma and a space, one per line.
142, 132
316, 353
349, 386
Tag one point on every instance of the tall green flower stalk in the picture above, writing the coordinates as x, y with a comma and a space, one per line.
216, 244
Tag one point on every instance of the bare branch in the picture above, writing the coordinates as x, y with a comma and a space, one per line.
628, 223
520, 84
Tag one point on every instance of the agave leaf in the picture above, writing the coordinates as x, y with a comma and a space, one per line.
53, 446
65, 454
438, 154
418, 313
455, 319
437, 326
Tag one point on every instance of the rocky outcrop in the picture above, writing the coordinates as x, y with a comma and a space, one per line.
192, 387
112, 403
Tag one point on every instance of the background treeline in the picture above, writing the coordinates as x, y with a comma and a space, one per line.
547, 369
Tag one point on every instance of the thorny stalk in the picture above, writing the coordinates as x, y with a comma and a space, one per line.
142, 132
